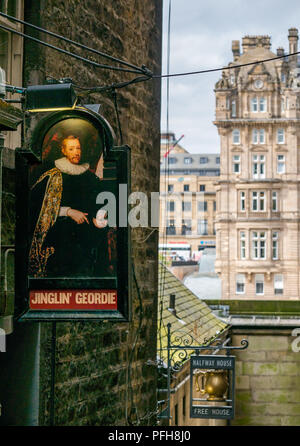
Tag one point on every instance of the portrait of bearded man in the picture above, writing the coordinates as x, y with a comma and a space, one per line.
69, 232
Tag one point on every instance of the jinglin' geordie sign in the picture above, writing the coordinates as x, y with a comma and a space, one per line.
70, 263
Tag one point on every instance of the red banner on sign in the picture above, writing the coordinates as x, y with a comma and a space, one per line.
73, 300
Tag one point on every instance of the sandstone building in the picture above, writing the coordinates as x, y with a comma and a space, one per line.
187, 196
257, 221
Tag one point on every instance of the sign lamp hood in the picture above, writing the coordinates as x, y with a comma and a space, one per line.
54, 97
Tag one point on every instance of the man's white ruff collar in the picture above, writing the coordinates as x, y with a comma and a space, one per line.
65, 166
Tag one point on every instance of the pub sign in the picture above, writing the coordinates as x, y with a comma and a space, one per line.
72, 256
212, 381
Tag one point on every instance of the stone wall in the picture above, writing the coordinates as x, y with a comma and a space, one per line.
267, 378
102, 376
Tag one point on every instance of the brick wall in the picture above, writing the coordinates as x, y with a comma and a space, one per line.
101, 371
267, 379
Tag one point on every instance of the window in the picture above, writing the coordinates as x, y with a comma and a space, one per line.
186, 227
171, 206
259, 284
278, 284
172, 160
170, 188
258, 201
215, 205
258, 136
202, 206
233, 109
275, 242
258, 166
202, 188
262, 105
280, 164
258, 104
186, 187
283, 77
254, 106
280, 136
186, 205
202, 227
9, 7
217, 160
240, 283
282, 104
242, 201
227, 103
242, 245
203, 160
236, 164
170, 229
236, 136
258, 245
188, 160
274, 201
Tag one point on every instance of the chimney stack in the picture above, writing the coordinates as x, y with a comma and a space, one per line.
280, 51
236, 49
293, 40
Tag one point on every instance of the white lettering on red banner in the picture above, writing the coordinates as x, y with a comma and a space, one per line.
73, 300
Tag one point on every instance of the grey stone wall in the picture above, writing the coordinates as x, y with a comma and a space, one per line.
267, 379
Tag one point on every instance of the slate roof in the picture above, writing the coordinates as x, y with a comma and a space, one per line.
193, 317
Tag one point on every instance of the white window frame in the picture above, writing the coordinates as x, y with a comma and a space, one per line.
259, 245
236, 164
274, 201
242, 245
280, 136
236, 137
233, 108
262, 104
258, 136
275, 245
258, 166
259, 279
278, 279
240, 282
242, 201
254, 104
280, 169
258, 201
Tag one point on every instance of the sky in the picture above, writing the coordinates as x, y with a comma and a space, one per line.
201, 36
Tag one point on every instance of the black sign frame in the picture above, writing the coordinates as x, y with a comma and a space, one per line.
213, 362
116, 169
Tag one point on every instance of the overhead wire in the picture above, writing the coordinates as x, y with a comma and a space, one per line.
68, 53
142, 69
